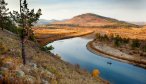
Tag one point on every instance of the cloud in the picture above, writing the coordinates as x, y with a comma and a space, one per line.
132, 10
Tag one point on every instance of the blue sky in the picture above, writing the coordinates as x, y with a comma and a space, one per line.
127, 10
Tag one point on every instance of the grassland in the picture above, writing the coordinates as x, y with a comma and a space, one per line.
45, 35
132, 33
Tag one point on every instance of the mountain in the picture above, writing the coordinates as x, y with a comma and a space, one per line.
90, 19
139, 23
45, 22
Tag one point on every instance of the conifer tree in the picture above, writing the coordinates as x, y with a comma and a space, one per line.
25, 19
3, 13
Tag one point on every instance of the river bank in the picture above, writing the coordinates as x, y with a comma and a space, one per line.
113, 53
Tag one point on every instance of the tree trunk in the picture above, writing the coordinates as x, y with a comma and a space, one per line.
2, 25
23, 51
22, 38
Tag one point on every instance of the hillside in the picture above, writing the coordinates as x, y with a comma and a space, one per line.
90, 19
138, 23
41, 68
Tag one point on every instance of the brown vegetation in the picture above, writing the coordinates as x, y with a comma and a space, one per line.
132, 33
45, 35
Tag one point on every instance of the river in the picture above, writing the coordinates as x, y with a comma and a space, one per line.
74, 51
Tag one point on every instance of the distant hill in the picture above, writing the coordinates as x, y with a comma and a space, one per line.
93, 20
138, 23
45, 22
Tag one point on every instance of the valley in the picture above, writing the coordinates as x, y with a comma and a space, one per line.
72, 42
56, 32
67, 29
80, 35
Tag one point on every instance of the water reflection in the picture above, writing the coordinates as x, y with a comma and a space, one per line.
74, 51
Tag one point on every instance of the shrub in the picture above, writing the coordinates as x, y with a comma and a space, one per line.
46, 48
105, 37
117, 43
98, 36
3, 49
95, 73
102, 37
135, 43
144, 48
126, 40
117, 40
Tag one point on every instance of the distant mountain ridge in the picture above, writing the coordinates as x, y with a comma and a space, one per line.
90, 19
45, 22
139, 23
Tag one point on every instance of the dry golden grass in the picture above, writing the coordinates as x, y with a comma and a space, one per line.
45, 35
132, 33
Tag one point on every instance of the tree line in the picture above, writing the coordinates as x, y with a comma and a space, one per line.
119, 41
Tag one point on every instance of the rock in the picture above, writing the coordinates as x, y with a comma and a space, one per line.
1, 77
3, 68
45, 82
8, 64
33, 65
30, 79
21, 65
50, 75
20, 73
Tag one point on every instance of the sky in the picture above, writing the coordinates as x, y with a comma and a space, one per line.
126, 10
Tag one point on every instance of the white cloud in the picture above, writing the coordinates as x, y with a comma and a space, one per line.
129, 10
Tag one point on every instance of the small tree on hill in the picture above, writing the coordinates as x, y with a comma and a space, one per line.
3, 13
25, 19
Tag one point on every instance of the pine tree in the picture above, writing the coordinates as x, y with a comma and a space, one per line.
3, 13
25, 19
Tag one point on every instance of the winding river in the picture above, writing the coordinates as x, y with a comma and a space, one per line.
74, 51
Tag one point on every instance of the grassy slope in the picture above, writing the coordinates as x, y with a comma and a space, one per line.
41, 67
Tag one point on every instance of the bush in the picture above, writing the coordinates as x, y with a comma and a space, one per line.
3, 49
144, 48
95, 73
135, 43
46, 48
126, 40
98, 36
117, 43
117, 40
102, 37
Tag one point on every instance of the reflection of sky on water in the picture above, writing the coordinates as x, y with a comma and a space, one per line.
75, 51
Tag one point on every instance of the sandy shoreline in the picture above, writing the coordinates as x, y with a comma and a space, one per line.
115, 54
